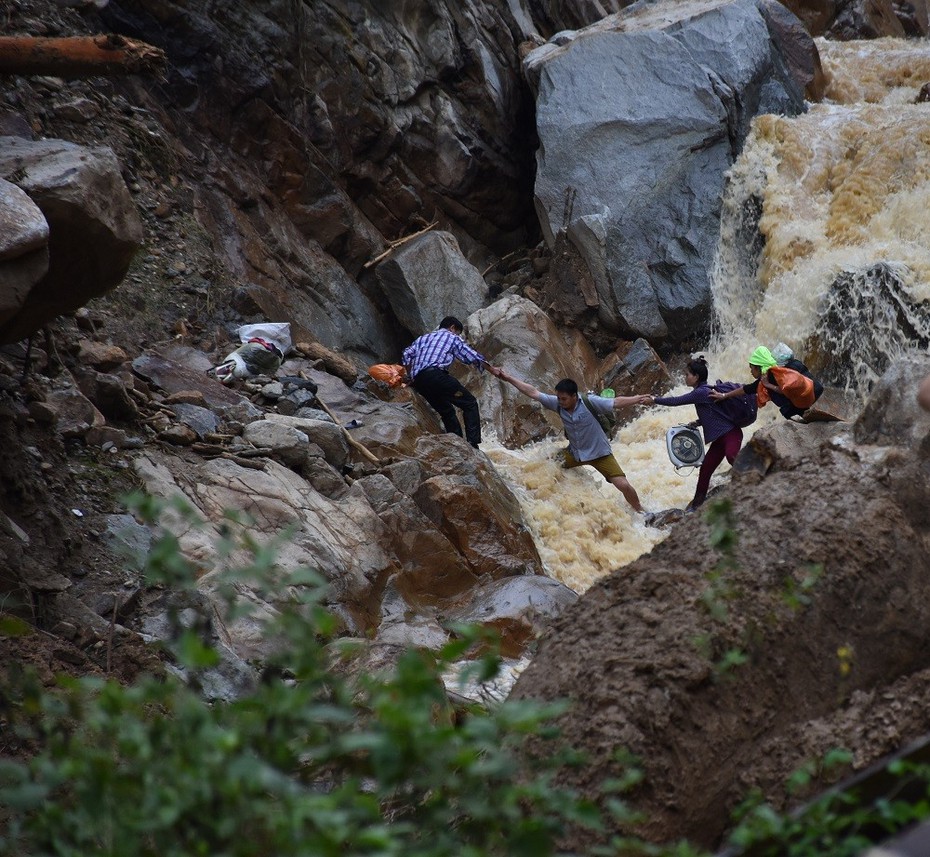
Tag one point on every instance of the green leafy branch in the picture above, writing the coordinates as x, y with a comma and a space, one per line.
312, 761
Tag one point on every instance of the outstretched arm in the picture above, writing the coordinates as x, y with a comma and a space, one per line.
464, 353
626, 401
717, 396
522, 386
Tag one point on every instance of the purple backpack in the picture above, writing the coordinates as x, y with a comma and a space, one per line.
740, 410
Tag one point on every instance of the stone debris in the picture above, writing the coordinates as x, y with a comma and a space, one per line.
426, 516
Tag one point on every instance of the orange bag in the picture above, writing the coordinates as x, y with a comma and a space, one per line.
797, 388
392, 374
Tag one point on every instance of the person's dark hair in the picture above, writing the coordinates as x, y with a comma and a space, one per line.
451, 321
698, 366
567, 385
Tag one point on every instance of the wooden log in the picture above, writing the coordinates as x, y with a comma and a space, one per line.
254, 452
78, 56
252, 463
399, 243
209, 448
364, 450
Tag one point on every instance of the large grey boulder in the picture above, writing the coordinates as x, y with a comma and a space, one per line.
326, 435
639, 117
429, 278
23, 227
23, 248
516, 334
287, 443
94, 228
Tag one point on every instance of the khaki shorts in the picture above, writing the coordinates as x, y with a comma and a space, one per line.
606, 465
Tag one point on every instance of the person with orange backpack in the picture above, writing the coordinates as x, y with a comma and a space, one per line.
793, 390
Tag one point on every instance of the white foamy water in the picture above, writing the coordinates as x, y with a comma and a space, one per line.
582, 526
838, 191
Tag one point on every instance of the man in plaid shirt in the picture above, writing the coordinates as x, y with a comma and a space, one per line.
428, 360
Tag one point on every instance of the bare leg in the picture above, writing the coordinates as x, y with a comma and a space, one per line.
622, 484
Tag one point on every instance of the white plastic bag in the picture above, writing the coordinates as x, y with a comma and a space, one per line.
277, 333
782, 353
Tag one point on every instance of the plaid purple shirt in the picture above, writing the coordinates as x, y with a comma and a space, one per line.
438, 349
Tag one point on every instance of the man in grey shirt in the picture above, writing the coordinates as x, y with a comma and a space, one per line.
587, 443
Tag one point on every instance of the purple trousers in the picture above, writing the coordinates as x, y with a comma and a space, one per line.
725, 446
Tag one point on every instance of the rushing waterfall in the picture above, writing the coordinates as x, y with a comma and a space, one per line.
825, 242
582, 526
825, 246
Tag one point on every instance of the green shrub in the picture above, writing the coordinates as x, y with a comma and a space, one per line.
839, 822
310, 763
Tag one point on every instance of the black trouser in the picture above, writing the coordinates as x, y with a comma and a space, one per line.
445, 394
789, 410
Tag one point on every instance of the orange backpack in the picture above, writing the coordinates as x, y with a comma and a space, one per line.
392, 374
797, 388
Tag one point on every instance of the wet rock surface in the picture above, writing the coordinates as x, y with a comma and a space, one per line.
426, 519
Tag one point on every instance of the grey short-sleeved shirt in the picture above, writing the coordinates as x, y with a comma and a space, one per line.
586, 438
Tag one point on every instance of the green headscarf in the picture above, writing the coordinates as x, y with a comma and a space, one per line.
762, 358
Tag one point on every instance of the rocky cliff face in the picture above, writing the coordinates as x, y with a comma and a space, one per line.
299, 140
296, 192
330, 129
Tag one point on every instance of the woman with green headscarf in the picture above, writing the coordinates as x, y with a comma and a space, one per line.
762, 360
793, 390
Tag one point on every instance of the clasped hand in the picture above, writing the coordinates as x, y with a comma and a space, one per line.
498, 372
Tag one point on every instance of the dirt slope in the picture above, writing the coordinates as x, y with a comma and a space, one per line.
828, 601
